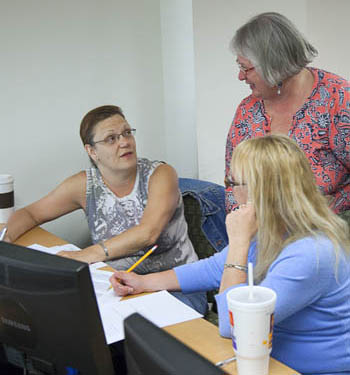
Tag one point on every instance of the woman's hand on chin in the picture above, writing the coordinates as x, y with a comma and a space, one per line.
241, 224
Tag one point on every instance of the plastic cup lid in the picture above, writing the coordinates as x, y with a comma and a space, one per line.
262, 297
6, 179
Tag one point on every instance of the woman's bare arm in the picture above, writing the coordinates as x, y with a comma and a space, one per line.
67, 197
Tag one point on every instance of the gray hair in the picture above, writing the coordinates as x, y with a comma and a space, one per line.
274, 45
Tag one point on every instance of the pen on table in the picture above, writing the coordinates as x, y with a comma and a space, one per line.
3, 233
140, 260
226, 361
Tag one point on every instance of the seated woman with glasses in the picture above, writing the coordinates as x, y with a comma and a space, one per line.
289, 97
130, 203
299, 247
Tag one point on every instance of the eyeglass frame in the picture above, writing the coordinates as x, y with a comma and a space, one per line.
229, 183
125, 133
243, 69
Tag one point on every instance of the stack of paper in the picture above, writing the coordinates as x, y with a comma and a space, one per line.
99, 277
161, 308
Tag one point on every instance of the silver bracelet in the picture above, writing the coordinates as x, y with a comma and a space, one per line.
3, 233
236, 266
101, 243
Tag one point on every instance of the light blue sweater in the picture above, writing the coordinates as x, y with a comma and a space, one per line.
312, 315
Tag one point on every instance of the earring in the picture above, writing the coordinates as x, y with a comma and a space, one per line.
279, 86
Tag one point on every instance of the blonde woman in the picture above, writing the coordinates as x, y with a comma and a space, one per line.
300, 249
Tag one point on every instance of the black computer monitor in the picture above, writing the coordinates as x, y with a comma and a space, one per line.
151, 350
49, 314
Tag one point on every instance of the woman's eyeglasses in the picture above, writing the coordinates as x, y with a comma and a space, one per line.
243, 69
111, 139
230, 183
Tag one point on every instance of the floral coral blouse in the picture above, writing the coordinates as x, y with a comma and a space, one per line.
321, 128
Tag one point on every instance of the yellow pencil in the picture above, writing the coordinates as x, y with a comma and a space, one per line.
142, 258
150, 251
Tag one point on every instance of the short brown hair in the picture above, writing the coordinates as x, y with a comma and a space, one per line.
93, 117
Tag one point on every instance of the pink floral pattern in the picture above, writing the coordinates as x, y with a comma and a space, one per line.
321, 128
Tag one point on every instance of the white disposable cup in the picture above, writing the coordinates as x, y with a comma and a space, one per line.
251, 322
6, 197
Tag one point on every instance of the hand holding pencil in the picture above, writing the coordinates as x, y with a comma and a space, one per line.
122, 283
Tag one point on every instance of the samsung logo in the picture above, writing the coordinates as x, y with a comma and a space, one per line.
13, 323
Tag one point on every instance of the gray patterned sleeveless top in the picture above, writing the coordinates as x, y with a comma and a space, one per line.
109, 215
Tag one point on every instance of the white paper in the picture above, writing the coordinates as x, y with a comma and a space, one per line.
161, 308
97, 265
107, 298
100, 281
99, 278
54, 249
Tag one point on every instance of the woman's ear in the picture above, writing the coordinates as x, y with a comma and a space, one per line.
91, 151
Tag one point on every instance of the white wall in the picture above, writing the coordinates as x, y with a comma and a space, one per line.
328, 28
218, 91
179, 86
60, 59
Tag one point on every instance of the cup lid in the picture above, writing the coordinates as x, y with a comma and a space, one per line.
6, 179
262, 297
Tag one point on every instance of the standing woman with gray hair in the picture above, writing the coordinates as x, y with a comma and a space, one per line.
309, 105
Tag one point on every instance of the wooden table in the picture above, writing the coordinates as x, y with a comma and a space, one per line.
199, 334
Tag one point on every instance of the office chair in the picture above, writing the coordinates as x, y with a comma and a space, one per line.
201, 245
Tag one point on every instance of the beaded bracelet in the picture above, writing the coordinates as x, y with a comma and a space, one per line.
236, 266
104, 248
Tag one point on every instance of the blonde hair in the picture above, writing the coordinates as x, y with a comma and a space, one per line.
286, 199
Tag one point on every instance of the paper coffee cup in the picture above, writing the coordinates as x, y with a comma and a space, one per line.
251, 322
7, 201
